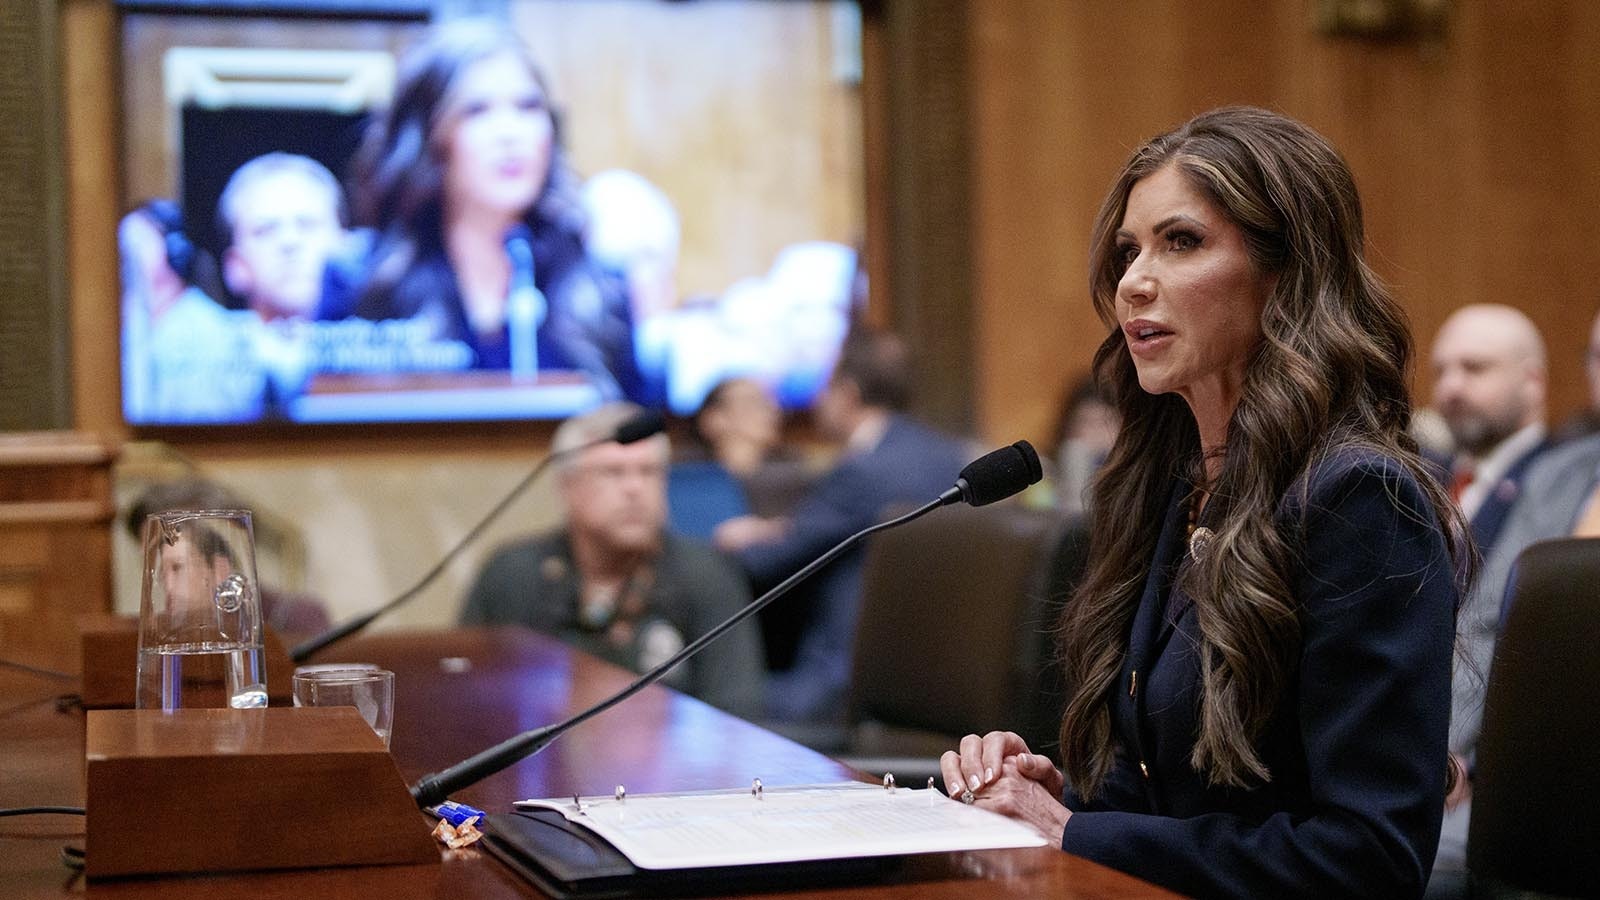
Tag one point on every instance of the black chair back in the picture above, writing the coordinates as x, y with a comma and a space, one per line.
944, 643
1535, 823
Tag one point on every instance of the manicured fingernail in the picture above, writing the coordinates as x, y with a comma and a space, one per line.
988, 774
975, 782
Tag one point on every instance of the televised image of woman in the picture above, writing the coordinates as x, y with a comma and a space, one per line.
1258, 659
478, 227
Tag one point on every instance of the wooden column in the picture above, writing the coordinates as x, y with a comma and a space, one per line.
55, 542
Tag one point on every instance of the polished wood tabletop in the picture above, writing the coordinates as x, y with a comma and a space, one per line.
458, 692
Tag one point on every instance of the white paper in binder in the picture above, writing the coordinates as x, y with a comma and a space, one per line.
787, 824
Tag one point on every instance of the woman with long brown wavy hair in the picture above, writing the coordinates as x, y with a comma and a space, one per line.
467, 155
1258, 658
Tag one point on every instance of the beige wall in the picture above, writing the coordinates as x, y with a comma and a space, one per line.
370, 524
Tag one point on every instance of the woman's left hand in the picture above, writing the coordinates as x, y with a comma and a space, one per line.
1024, 796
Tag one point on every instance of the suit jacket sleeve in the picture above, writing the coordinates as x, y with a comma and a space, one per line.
840, 504
1371, 703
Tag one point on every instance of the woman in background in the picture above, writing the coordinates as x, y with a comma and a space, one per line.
1083, 437
468, 157
1258, 659
735, 463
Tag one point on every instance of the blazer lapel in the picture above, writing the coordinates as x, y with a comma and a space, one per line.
1150, 623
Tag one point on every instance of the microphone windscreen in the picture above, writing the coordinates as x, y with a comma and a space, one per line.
519, 244
645, 423
1000, 473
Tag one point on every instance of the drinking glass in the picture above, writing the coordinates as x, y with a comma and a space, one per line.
366, 687
319, 668
200, 613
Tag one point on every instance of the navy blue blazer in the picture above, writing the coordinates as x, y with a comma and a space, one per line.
1357, 746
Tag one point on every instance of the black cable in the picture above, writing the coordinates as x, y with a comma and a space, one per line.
42, 811
71, 857
63, 702
36, 670
303, 651
642, 425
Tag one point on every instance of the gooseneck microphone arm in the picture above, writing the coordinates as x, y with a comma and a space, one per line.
637, 428
432, 789
992, 477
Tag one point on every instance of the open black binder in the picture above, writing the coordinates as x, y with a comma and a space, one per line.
566, 860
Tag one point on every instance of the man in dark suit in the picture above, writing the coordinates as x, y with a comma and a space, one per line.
1489, 386
887, 459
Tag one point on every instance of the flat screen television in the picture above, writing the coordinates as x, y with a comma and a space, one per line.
363, 211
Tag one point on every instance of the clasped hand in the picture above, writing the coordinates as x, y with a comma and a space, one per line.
1004, 776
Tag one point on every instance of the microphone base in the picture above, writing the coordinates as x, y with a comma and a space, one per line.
436, 787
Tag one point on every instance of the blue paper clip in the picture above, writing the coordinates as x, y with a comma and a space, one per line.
456, 813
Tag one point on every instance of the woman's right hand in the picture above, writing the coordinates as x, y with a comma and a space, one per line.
979, 762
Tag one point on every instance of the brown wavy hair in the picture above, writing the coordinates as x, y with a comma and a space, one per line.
398, 180
1329, 372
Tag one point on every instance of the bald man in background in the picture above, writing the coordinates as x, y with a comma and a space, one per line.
1489, 385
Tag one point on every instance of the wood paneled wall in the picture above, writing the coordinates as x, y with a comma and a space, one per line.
1475, 154
55, 553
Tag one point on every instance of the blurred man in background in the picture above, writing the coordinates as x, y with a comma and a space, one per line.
183, 358
614, 581
281, 218
1489, 385
887, 459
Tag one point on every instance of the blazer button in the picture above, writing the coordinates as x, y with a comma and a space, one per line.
1145, 769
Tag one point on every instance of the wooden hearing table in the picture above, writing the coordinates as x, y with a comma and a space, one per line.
457, 692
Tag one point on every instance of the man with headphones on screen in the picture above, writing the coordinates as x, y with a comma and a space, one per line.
184, 358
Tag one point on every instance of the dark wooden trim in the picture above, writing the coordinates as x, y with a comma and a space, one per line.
928, 210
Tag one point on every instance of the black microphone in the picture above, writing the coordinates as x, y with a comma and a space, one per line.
996, 475
637, 427
993, 476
